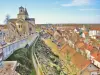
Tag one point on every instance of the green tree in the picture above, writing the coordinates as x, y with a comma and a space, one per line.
68, 58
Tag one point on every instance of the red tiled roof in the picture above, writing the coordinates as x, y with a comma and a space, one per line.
80, 61
95, 28
81, 45
94, 54
98, 59
89, 47
76, 58
98, 37
85, 32
65, 48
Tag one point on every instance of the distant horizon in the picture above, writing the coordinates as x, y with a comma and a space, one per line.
63, 23
58, 11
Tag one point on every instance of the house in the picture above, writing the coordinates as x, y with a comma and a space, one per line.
80, 47
66, 48
88, 50
82, 65
57, 34
9, 68
94, 31
85, 66
95, 59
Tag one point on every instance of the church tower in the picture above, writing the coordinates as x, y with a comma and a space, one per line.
23, 14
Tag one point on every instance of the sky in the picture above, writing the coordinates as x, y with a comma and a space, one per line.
54, 11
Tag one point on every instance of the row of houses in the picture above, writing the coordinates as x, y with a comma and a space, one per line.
87, 48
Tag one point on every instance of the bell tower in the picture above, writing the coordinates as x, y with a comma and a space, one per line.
21, 10
23, 14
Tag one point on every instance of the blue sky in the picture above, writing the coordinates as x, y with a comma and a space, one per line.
54, 11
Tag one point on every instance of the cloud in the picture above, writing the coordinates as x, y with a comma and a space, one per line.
77, 3
89, 9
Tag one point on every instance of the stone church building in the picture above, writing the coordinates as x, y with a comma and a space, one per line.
20, 27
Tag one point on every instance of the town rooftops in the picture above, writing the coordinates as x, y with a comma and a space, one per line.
96, 56
80, 45
76, 58
89, 47
3, 26
65, 48
95, 28
8, 68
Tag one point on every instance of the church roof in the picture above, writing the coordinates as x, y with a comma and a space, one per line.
13, 20
26, 13
30, 19
21, 7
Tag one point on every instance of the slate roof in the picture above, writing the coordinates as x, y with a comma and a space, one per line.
26, 11
30, 19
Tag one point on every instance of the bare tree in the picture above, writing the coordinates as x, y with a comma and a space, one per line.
7, 18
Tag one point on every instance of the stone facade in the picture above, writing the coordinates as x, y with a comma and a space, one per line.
21, 26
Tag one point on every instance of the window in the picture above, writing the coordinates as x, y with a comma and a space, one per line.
21, 10
30, 29
19, 26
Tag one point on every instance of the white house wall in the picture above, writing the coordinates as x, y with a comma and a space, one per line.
97, 63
